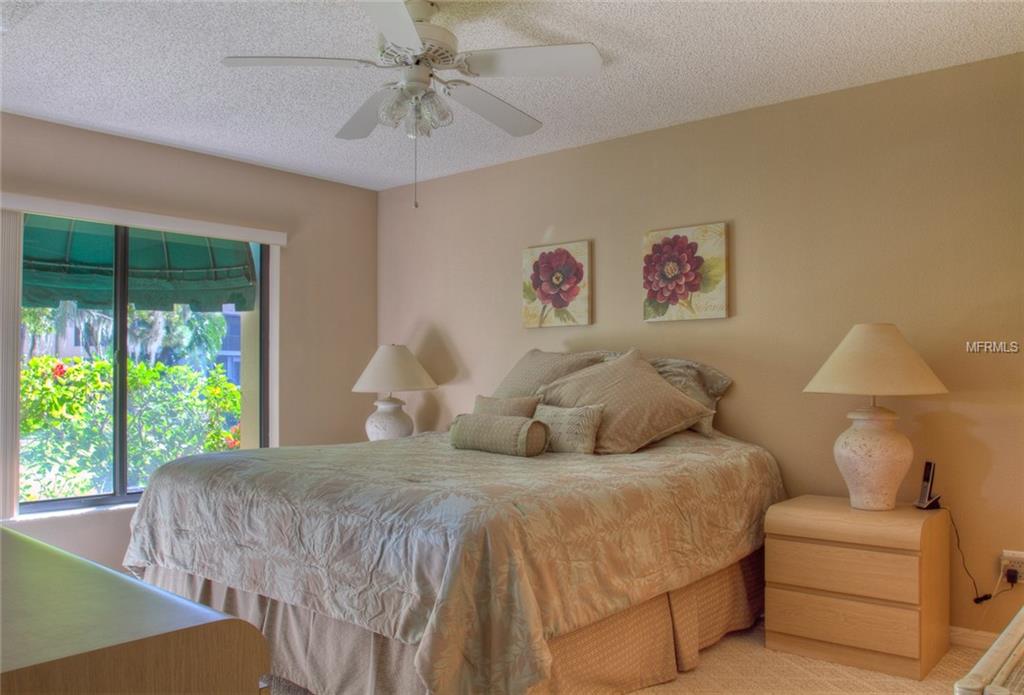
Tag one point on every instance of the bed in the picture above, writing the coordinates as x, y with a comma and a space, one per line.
409, 566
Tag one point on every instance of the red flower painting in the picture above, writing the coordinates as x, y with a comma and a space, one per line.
684, 273
555, 287
556, 278
672, 270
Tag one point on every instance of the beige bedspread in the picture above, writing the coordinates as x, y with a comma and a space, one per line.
477, 558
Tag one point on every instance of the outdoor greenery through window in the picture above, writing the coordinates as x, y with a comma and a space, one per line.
138, 347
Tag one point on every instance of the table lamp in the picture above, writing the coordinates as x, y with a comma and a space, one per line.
392, 368
874, 359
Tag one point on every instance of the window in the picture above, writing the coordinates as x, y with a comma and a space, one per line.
66, 406
137, 347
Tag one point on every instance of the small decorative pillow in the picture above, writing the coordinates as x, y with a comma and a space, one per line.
640, 407
520, 407
701, 382
573, 430
536, 369
500, 434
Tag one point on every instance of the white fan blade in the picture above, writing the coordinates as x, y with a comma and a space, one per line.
500, 113
394, 22
568, 59
284, 61
365, 119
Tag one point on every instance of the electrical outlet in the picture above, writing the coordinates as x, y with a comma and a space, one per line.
1011, 559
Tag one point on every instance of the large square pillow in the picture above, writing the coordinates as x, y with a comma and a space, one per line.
536, 369
699, 381
640, 407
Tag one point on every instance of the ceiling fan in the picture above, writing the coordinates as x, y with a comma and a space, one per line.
417, 49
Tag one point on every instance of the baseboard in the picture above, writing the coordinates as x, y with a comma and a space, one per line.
976, 639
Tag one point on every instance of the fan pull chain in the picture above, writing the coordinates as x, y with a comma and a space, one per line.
415, 172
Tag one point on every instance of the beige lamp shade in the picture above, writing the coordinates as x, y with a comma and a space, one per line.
874, 359
393, 368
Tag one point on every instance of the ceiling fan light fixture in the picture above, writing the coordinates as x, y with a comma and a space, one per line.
434, 109
395, 108
415, 124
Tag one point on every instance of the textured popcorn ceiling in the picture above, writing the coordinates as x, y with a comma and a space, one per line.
151, 70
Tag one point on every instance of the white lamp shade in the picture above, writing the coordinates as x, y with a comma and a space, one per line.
874, 359
393, 368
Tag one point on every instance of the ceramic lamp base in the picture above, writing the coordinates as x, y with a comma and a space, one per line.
873, 457
389, 421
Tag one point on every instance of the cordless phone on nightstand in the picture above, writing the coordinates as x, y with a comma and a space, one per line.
925, 499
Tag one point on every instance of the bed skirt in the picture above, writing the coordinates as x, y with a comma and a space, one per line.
642, 646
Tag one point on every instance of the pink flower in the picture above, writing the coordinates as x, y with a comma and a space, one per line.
556, 277
59, 370
232, 442
672, 270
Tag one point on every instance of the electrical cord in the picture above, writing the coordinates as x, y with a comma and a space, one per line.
979, 598
1003, 591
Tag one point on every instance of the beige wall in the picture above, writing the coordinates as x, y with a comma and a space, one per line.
899, 201
328, 269
99, 534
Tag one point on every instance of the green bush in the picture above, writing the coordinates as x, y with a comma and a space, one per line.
67, 422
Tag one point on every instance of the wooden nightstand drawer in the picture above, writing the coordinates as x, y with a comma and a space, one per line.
862, 624
846, 570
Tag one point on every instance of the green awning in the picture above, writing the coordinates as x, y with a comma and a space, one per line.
74, 260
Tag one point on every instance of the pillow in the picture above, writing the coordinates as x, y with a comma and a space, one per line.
701, 382
520, 407
639, 406
500, 434
536, 369
573, 430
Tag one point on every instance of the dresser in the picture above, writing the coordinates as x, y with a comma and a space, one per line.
71, 626
861, 588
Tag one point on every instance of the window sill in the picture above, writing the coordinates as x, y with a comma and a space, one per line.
31, 514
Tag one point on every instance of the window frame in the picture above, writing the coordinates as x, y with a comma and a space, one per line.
15, 206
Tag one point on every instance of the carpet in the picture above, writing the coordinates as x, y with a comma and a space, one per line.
740, 664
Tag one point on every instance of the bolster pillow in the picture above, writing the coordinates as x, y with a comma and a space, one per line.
500, 434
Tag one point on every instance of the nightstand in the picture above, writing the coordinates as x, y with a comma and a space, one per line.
861, 588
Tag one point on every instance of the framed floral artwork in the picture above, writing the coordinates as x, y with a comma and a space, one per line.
556, 285
685, 273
